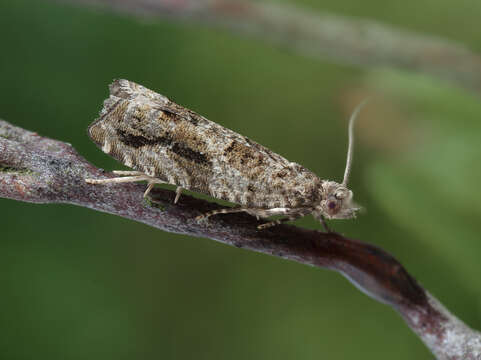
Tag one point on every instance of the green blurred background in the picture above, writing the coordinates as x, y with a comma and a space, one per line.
78, 284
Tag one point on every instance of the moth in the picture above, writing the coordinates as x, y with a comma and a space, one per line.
166, 143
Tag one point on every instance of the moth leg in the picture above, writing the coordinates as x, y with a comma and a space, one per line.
318, 216
220, 211
118, 179
132, 176
295, 214
292, 214
151, 182
324, 223
149, 188
122, 172
276, 222
178, 191
257, 212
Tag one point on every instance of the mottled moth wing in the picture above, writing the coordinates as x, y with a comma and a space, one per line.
149, 133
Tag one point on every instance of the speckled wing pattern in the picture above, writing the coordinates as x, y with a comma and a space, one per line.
149, 133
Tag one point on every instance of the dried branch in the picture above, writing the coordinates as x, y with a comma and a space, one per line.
41, 170
341, 39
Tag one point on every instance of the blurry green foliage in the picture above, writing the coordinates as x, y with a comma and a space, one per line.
431, 186
78, 284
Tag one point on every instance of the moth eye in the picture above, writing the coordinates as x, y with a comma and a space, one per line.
331, 205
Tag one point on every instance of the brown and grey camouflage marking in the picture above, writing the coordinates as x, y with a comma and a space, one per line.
149, 133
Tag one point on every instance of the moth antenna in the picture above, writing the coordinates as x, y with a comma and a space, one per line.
350, 149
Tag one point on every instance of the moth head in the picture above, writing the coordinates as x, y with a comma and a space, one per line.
337, 201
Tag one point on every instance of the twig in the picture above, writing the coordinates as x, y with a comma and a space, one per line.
340, 39
41, 170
